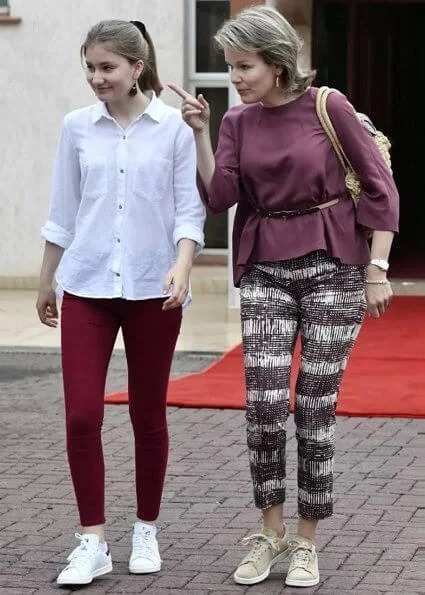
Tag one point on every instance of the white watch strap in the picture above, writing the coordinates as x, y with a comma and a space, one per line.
380, 263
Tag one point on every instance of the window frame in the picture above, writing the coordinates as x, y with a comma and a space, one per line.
192, 74
196, 79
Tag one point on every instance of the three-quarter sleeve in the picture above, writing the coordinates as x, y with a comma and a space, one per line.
379, 202
225, 184
65, 194
189, 210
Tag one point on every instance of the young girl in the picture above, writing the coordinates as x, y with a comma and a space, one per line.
125, 224
301, 260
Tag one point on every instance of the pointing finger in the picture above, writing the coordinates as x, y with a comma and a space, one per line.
181, 92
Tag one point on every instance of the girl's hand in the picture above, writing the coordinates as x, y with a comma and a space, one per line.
195, 111
178, 277
46, 307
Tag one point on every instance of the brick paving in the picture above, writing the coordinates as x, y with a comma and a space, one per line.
375, 543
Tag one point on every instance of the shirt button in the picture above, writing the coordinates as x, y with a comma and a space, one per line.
121, 171
123, 138
118, 275
118, 240
120, 206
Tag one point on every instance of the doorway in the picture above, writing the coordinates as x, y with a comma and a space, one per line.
373, 52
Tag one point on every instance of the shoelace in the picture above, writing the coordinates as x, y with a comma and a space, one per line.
143, 544
301, 556
80, 553
261, 544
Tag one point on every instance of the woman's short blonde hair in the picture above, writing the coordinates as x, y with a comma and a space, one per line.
264, 30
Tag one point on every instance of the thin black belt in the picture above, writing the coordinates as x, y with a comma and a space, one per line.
297, 212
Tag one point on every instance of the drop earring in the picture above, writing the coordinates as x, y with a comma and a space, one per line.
277, 82
133, 90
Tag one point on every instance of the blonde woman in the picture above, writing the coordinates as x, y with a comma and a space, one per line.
124, 226
301, 261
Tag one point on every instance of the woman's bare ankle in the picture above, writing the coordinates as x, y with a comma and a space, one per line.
280, 531
273, 519
307, 529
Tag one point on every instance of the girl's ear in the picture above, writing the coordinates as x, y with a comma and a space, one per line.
139, 67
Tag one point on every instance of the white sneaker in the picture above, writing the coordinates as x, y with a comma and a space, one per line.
303, 567
86, 562
145, 556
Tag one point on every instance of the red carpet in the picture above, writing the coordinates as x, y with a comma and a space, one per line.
385, 375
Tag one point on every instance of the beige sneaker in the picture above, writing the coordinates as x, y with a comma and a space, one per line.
303, 568
268, 549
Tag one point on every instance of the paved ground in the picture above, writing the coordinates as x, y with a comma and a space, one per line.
375, 543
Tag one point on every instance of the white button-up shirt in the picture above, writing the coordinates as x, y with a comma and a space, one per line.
122, 200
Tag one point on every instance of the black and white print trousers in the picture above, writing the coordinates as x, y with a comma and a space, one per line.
323, 300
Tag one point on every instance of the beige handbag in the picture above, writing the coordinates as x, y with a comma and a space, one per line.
352, 181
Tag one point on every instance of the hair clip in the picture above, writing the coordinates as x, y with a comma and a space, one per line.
140, 26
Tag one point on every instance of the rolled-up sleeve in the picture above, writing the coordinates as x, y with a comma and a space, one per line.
378, 207
224, 189
65, 194
189, 210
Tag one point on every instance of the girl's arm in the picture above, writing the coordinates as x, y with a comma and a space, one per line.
60, 226
46, 300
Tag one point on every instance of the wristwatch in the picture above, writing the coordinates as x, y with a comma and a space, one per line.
380, 263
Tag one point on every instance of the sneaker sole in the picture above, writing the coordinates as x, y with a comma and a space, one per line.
295, 583
258, 579
133, 570
99, 572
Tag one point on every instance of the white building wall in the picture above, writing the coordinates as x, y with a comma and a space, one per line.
41, 79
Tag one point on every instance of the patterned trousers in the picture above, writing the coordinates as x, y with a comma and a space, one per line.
323, 300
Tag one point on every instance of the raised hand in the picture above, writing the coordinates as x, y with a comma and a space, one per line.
195, 111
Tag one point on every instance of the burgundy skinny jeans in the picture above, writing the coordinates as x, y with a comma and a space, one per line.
89, 329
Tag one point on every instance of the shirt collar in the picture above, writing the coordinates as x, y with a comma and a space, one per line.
100, 111
155, 109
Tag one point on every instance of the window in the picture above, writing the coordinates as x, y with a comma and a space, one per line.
207, 74
4, 7
210, 15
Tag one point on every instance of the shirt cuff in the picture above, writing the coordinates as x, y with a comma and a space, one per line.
55, 234
189, 232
